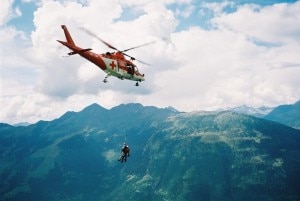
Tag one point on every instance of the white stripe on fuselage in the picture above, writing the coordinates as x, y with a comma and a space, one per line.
113, 69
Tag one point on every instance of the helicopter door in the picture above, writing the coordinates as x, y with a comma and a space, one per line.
111, 64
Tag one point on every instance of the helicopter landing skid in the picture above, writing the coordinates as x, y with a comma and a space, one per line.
105, 79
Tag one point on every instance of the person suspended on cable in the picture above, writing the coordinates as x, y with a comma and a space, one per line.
124, 153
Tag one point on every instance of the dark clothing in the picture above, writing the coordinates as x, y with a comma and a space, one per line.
125, 153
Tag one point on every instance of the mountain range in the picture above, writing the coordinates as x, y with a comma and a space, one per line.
174, 156
285, 114
257, 112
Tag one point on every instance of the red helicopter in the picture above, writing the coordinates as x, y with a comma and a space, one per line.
112, 63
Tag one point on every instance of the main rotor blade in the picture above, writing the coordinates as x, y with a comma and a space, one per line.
112, 47
138, 46
136, 59
143, 62
94, 35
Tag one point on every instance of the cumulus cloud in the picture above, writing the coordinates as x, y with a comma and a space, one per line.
6, 11
223, 67
278, 23
17, 75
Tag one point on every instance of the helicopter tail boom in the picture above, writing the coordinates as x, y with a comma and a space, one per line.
70, 43
68, 35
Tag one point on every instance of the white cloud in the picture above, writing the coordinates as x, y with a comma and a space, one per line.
279, 23
186, 12
218, 7
17, 74
222, 67
32, 106
5, 11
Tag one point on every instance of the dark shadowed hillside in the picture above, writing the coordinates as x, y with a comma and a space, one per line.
175, 156
286, 114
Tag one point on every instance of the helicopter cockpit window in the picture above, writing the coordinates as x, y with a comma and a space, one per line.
130, 69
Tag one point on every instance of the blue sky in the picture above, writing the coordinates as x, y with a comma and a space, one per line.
25, 22
208, 54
